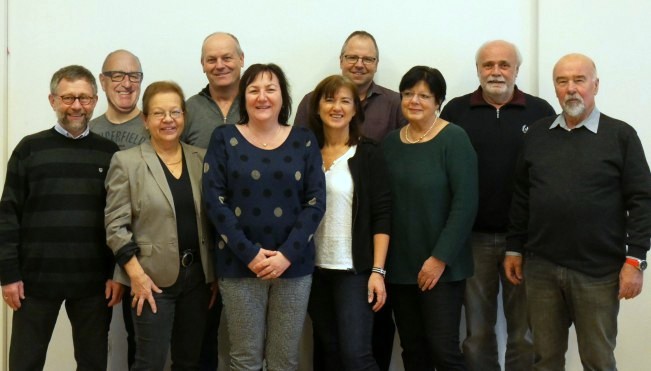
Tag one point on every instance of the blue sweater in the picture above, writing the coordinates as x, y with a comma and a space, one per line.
255, 198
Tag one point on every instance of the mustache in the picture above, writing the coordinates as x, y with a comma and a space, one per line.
575, 97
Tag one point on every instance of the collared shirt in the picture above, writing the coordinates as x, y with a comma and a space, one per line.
66, 134
591, 123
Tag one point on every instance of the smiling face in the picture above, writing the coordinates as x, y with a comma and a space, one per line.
361, 74
122, 95
419, 104
73, 117
221, 61
337, 111
162, 126
497, 68
263, 98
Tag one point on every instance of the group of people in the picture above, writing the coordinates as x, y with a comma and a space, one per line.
375, 205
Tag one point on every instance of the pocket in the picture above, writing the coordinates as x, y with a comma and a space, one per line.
145, 249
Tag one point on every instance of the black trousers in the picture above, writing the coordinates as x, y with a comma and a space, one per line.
34, 322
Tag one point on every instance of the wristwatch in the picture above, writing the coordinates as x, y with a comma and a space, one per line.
637, 263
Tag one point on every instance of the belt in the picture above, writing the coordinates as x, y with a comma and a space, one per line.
187, 258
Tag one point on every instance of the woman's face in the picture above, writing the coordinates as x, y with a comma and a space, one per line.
419, 104
263, 98
165, 120
337, 111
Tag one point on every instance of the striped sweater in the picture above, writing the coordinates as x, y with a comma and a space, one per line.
52, 233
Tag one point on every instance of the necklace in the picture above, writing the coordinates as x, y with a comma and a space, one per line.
422, 136
173, 163
257, 139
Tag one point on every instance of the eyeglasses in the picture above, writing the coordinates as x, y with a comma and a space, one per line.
160, 115
118, 76
409, 95
69, 100
352, 59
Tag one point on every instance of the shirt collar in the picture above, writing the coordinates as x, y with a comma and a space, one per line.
591, 122
66, 134
518, 99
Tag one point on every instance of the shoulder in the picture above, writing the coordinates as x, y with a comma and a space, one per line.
188, 148
462, 101
622, 128
98, 122
534, 102
101, 143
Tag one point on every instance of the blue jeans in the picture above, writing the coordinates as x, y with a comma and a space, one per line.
265, 321
180, 321
428, 325
342, 319
559, 297
34, 323
480, 345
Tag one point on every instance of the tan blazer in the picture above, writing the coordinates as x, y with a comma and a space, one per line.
140, 208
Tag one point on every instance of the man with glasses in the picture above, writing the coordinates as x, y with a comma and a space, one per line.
121, 79
122, 123
496, 117
222, 60
358, 61
52, 237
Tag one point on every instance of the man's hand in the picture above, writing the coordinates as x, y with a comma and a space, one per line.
113, 291
513, 269
13, 293
630, 282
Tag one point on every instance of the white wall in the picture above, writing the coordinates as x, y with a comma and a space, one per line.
304, 37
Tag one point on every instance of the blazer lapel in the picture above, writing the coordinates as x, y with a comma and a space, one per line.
156, 170
195, 167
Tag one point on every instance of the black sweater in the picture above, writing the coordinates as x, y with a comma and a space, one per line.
581, 198
496, 136
371, 201
52, 233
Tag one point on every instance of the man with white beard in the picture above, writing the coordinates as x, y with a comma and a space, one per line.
496, 116
580, 220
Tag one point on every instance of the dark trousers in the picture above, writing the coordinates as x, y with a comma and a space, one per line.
384, 330
128, 326
179, 321
342, 320
209, 359
428, 325
34, 323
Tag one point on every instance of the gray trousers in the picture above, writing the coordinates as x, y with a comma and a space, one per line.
265, 321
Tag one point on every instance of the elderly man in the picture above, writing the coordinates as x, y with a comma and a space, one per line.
52, 240
581, 216
222, 60
121, 80
358, 60
122, 123
495, 116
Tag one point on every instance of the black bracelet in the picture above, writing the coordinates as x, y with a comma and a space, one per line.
379, 271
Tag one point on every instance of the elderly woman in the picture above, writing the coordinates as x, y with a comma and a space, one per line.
156, 229
264, 193
433, 172
352, 240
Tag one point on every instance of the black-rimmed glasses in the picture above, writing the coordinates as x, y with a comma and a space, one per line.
118, 76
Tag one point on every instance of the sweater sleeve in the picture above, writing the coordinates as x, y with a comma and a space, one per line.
216, 198
516, 236
461, 167
312, 206
380, 192
11, 210
636, 189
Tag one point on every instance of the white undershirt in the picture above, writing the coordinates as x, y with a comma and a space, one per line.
334, 238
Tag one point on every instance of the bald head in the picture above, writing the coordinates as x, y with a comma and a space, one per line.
576, 85
501, 45
120, 55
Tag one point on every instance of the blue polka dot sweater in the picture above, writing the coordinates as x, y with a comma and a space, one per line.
255, 198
